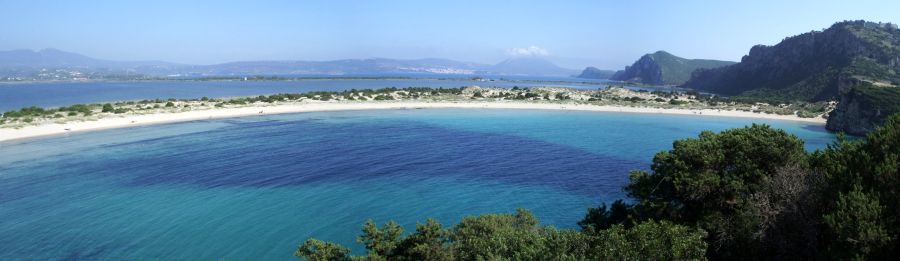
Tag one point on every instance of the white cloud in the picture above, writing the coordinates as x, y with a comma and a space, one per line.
527, 51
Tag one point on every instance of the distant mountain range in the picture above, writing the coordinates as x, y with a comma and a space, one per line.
28, 62
663, 68
18, 62
855, 62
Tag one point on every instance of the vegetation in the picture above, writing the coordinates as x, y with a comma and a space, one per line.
516, 236
749, 193
761, 196
873, 98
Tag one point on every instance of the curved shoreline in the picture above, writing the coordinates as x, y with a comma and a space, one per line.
112, 122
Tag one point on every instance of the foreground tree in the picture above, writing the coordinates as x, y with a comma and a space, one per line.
517, 236
650, 240
707, 182
789, 207
318, 250
864, 177
859, 227
604, 217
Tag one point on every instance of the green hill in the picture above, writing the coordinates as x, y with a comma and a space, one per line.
663, 68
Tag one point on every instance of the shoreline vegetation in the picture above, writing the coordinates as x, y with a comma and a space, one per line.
35, 122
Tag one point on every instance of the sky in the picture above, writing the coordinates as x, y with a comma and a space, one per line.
573, 34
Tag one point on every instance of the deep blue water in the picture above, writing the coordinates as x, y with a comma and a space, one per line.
253, 188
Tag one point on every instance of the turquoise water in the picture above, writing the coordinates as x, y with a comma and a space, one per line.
255, 187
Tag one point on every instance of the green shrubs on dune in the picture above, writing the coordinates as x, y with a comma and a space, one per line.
610, 96
37, 112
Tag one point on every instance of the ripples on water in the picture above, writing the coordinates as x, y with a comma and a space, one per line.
253, 188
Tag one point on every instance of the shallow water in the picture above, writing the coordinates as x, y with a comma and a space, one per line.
255, 187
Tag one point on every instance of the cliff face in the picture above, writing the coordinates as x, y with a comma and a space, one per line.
644, 70
852, 118
863, 108
814, 66
661, 68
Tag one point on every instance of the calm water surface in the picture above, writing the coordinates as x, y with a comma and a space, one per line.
253, 188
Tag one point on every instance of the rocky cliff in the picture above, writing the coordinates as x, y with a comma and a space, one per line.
663, 68
815, 66
848, 62
863, 108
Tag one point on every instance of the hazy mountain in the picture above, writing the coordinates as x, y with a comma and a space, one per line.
340, 67
594, 73
46, 58
53, 58
856, 62
529, 66
664, 68
24, 62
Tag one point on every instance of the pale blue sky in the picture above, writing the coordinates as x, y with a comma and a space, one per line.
606, 34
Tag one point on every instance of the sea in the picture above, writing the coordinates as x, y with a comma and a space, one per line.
254, 188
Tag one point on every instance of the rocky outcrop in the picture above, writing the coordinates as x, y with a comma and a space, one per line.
662, 68
851, 118
645, 70
594, 73
863, 108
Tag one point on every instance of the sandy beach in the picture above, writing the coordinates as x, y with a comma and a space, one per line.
114, 121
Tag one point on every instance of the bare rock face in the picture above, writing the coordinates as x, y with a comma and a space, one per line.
644, 70
863, 108
853, 116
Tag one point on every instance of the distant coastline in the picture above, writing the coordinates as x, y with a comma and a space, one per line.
7, 134
269, 78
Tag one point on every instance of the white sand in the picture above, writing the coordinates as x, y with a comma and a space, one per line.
110, 122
